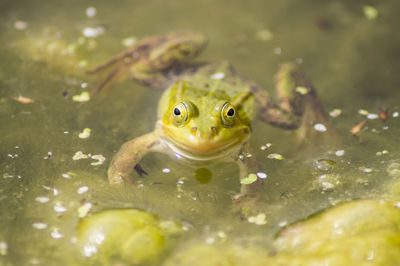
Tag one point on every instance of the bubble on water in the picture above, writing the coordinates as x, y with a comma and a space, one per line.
339, 153
91, 11
372, 116
262, 175
59, 208
56, 234
82, 189
166, 170
39, 226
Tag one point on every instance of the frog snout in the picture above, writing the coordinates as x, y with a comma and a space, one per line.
204, 133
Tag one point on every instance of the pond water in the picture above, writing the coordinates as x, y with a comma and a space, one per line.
351, 57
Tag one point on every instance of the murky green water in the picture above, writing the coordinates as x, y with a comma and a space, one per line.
352, 60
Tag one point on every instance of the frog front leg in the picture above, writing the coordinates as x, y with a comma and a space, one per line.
130, 154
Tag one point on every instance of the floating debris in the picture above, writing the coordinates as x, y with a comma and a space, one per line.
66, 176
3, 248
83, 97
262, 175
39, 226
56, 234
20, 25
91, 12
275, 156
335, 113
395, 114
166, 170
248, 180
85, 133
48, 156
357, 128
320, 127
218, 75
380, 153
366, 170
42, 199
301, 90
84, 209
363, 112
128, 42
91, 32
79, 155
100, 159
59, 208
266, 146
259, 219
383, 114
372, 116
22, 99
370, 12
265, 35
339, 153
82, 189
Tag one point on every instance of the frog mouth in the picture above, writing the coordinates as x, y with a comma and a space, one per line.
187, 152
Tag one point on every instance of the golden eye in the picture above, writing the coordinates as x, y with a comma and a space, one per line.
180, 114
228, 114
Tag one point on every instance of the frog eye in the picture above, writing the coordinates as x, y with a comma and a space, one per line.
228, 114
180, 114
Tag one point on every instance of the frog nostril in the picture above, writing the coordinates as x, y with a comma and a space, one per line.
213, 130
194, 128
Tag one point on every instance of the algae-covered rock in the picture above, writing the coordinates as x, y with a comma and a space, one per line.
124, 236
355, 233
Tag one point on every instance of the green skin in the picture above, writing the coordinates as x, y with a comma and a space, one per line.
202, 115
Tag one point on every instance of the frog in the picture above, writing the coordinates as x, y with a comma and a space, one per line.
206, 110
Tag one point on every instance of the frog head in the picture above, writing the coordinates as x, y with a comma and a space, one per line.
200, 121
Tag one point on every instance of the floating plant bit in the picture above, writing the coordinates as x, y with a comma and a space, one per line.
79, 155
80, 98
22, 99
363, 112
357, 128
302, 90
275, 156
335, 113
84, 209
100, 159
248, 180
259, 219
85, 133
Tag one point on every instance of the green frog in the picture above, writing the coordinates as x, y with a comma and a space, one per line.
207, 109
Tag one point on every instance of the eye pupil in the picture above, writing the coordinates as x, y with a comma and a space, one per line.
230, 112
177, 111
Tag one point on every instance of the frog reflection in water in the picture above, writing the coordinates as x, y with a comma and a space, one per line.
206, 111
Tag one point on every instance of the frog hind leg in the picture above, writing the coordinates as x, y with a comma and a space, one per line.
152, 61
299, 106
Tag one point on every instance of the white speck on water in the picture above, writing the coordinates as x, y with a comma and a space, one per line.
339, 153
91, 32
299, 61
275, 156
262, 175
320, 127
84, 85
66, 176
42, 199
56, 234
166, 170
282, 223
218, 75
180, 182
385, 127
39, 226
59, 208
363, 112
372, 116
89, 250
91, 11
397, 204
367, 170
55, 192
395, 114
82, 189
128, 42
66, 132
